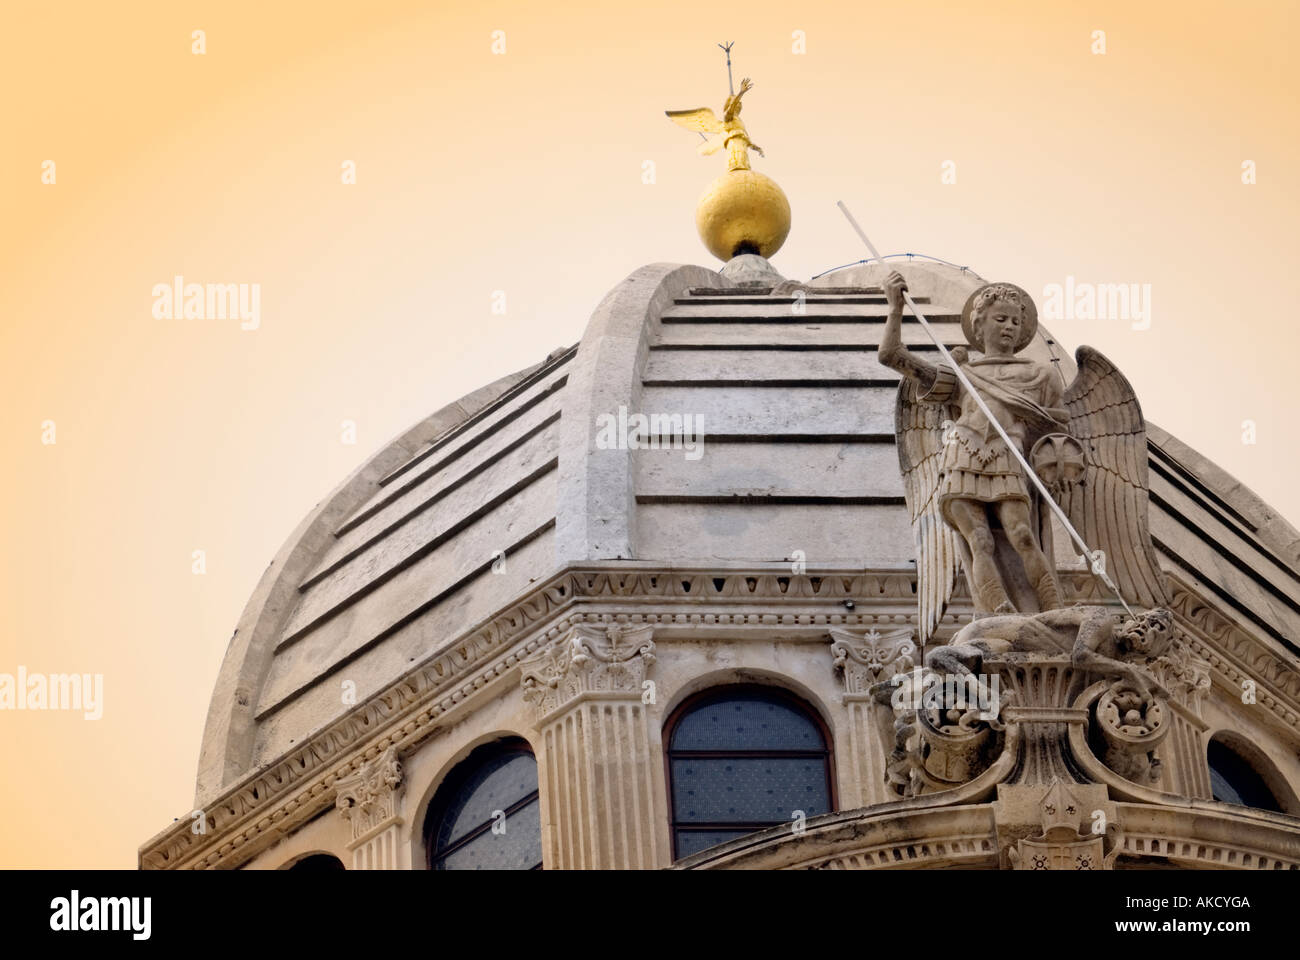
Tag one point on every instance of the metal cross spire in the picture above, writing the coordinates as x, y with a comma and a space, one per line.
726, 48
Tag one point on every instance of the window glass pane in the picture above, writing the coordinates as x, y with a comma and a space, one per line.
519, 848
1234, 780
1222, 790
499, 782
747, 722
747, 789
693, 841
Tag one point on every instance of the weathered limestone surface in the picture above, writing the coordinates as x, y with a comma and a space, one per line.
230, 732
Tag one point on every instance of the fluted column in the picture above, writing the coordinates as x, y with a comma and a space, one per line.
864, 659
371, 801
602, 795
1185, 770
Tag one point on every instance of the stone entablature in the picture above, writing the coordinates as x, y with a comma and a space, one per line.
257, 811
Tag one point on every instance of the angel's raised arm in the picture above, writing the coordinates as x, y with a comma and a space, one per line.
732, 106
893, 353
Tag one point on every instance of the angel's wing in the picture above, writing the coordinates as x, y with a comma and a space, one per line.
711, 145
1109, 508
918, 429
702, 119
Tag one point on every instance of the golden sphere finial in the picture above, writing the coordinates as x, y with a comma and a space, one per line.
743, 211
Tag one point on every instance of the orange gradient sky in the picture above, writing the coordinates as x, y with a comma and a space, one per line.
522, 172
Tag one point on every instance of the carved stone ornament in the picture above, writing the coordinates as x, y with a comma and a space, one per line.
1182, 673
1067, 841
589, 659
1027, 671
946, 729
866, 659
369, 798
1130, 728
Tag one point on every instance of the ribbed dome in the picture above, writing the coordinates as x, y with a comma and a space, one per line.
781, 451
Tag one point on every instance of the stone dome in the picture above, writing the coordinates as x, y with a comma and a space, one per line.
542, 470
700, 503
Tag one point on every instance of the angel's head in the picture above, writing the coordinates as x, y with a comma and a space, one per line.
1001, 319
1147, 634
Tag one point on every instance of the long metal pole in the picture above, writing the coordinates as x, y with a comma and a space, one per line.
1098, 568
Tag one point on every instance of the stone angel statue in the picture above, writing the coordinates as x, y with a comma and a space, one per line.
728, 132
972, 506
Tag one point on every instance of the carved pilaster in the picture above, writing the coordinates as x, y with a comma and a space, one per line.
602, 806
371, 801
1182, 755
863, 660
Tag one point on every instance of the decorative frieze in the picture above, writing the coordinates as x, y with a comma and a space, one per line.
1233, 655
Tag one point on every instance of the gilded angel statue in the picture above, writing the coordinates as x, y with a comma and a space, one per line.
728, 132
972, 506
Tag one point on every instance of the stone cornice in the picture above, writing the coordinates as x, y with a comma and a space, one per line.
1235, 655
256, 811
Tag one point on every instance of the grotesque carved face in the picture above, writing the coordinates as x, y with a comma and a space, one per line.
1148, 634
998, 326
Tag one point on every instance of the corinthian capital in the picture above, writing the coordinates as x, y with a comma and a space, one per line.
867, 658
369, 797
589, 659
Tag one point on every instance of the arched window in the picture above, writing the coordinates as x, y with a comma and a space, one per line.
742, 758
317, 863
1234, 780
485, 815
